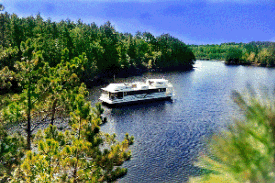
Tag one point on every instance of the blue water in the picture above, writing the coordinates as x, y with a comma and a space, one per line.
169, 136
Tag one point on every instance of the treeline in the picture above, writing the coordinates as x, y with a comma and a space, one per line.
209, 52
253, 53
106, 50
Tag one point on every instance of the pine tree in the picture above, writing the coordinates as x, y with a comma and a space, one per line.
82, 154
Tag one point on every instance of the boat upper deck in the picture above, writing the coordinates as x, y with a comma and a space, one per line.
125, 87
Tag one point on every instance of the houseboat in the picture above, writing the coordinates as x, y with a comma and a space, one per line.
121, 93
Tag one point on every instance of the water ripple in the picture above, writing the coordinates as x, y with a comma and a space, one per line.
170, 135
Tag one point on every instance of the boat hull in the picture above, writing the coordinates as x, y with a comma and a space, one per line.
149, 100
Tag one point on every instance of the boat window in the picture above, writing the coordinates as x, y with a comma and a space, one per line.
112, 96
144, 91
162, 90
153, 90
120, 95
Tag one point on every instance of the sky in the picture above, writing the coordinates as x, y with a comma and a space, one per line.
191, 21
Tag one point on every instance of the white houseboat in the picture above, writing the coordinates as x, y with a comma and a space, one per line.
152, 89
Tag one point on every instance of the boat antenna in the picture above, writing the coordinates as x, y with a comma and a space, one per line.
114, 78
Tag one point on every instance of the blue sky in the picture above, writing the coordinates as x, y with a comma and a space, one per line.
192, 21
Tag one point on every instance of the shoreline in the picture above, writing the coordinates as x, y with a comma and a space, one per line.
103, 78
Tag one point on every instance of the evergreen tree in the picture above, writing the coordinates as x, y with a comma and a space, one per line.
109, 42
78, 155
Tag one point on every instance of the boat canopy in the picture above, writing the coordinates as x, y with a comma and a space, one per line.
125, 87
117, 87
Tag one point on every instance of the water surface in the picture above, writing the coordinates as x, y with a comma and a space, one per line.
170, 135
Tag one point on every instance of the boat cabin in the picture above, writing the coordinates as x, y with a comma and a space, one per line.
121, 90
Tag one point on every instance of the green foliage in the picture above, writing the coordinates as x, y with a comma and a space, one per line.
233, 56
79, 155
11, 152
256, 53
244, 153
174, 53
46, 91
8, 57
6, 79
109, 41
13, 112
251, 58
210, 52
266, 57
104, 50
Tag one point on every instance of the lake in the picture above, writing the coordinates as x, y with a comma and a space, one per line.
170, 135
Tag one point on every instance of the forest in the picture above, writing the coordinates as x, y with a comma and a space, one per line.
103, 50
258, 53
49, 132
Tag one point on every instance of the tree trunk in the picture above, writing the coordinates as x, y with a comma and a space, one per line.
53, 110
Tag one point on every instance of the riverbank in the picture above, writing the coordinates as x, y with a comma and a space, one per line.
104, 78
243, 64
